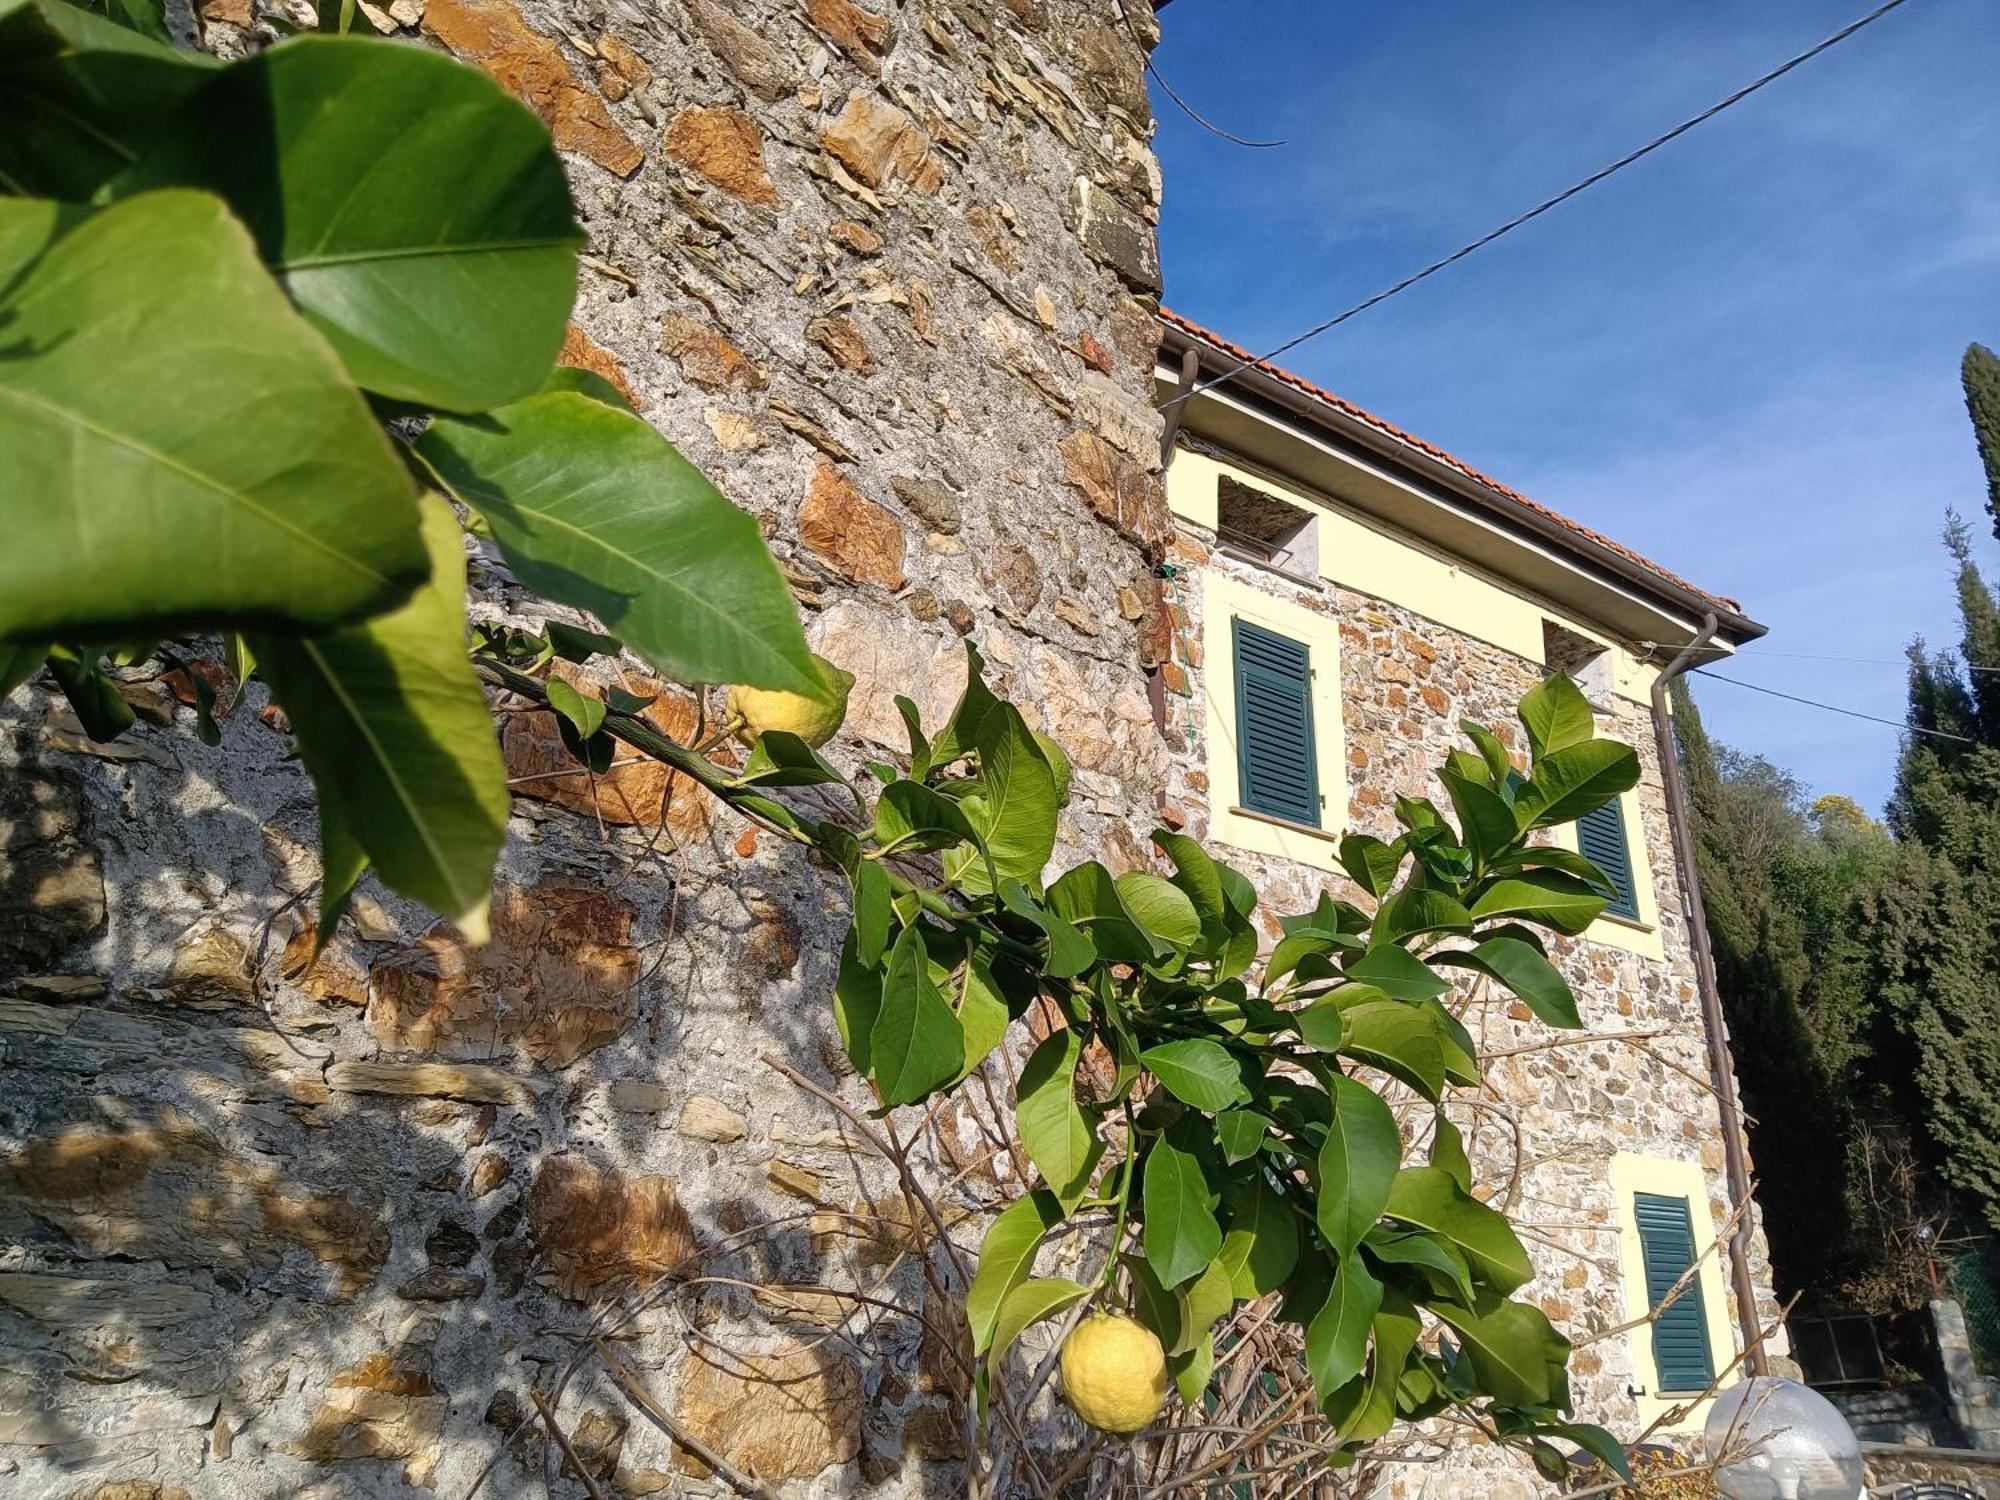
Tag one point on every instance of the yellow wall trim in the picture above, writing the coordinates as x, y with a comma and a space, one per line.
1369, 557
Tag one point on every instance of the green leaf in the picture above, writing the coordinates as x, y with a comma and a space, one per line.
18, 664
1016, 809
150, 477
585, 715
1598, 1443
80, 97
1160, 907
1402, 1040
1511, 1346
1088, 898
1200, 880
395, 732
1006, 1259
592, 507
1181, 1235
1070, 952
588, 383
573, 643
1262, 1245
1337, 1338
857, 994
974, 704
1396, 1329
780, 758
342, 863
1448, 1152
1556, 715
1357, 1164
871, 913
1198, 1072
982, 1014
93, 697
446, 281
1418, 909
1030, 1302
910, 817
1428, 1254
1397, 972
1569, 783
1323, 1024
1527, 973
1545, 896
1485, 818
916, 1043
1053, 1129
1242, 1133
147, 17
1499, 765
1555, 857
1370, 863
920, 748
1193, 1370
1428, 1198
1204, 1301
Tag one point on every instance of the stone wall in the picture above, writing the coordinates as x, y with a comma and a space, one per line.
277, 1226
1406, 683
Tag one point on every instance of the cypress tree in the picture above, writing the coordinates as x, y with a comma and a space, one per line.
1980, 375
1762, 874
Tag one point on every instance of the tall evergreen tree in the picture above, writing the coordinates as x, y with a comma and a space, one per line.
1980, 374
1775, 902
1935, 930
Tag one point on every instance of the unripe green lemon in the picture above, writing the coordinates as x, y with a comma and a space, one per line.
813, 720
1114, 1373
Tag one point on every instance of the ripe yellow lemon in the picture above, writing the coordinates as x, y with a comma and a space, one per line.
813, 720
1114, 1373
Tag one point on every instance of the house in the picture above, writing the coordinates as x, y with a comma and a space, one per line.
1342, 594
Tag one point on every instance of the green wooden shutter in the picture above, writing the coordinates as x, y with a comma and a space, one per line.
1601, 837
1682, 1363
1277, 767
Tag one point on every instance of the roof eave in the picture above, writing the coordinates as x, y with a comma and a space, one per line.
1261, 386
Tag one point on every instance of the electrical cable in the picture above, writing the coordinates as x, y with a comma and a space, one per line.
1540, 208
1852, 713
1859, 661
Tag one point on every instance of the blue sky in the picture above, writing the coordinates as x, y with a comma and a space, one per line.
1739, 356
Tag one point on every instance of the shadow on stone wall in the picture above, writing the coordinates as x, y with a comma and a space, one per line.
278, 1225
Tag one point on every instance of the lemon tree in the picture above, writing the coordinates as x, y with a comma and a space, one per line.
244, 370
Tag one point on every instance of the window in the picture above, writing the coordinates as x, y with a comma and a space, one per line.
1272, 740
1263, 528
1600, 837
1277, 760
1666, 1223
1682, 1361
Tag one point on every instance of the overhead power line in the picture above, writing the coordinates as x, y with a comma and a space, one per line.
1543, 207
1852, 713
1861, 661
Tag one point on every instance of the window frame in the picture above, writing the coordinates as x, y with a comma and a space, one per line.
1632, 1174
1225, 597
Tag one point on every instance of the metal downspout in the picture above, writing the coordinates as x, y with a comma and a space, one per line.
1680, 819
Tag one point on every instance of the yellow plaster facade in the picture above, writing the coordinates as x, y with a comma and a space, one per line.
1370, 558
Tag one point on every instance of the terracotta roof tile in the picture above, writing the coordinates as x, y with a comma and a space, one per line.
1348, 408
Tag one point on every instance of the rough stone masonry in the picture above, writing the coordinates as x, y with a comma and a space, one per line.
277, 1226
